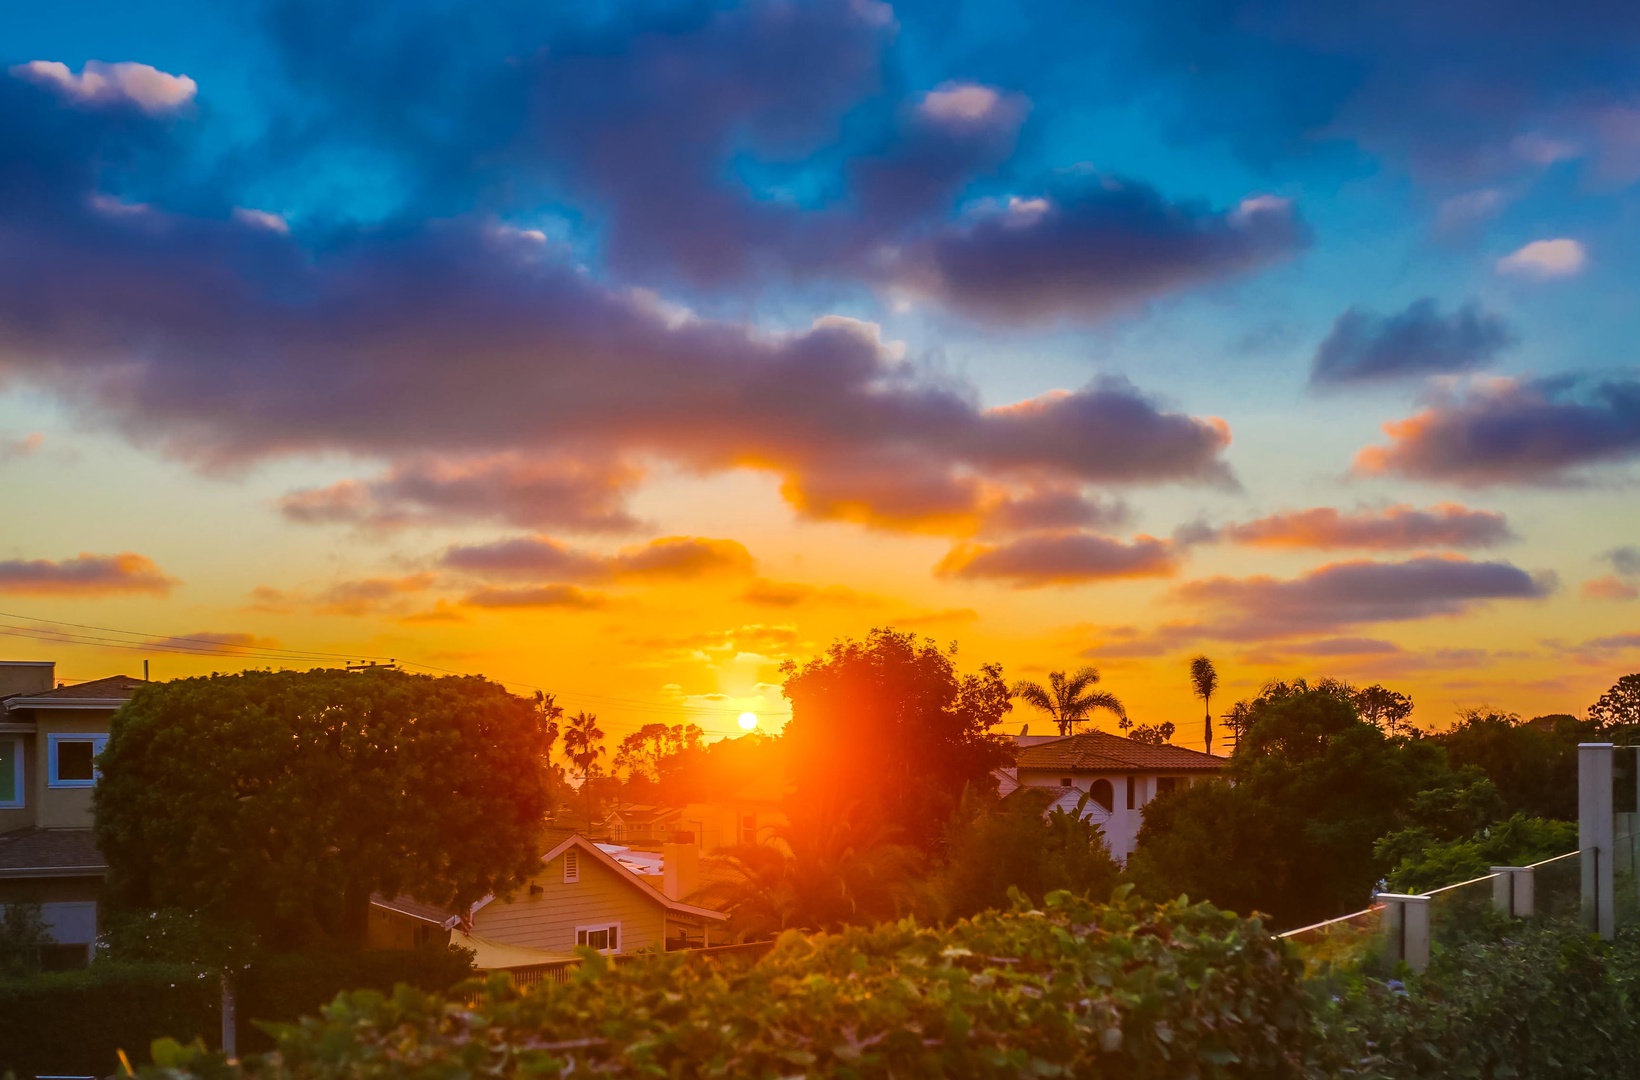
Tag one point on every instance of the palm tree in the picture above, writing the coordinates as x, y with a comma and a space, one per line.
1205, 680
582, 748
1068, 698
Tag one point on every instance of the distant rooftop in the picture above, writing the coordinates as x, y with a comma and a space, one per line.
114, 686
1098, 751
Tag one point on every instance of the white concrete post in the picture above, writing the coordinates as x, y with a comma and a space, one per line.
1594, 835
1512, 892
1406, 928
230, 1018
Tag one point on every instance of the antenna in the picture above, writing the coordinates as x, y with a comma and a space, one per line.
145, 671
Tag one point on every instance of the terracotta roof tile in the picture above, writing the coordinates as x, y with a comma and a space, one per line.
48, 850
114, 686
1098, 751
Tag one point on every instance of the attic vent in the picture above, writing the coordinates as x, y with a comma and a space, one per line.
572, 867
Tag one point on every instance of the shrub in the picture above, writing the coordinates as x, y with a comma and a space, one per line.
1125, 990
1544, 1001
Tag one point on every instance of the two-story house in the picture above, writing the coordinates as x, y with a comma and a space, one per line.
1119, 775
50, 737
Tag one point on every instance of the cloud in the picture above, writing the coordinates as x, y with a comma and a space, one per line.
1059, 559
14, 448
1544, 259
85, 575
785, 594
944, 617
1093, 247
1625, 560
1343, 646
148, 88
1610, 587
564, 494
364, 596
257, 344
543, 596
1346, 594
1509, 431
542, 558
206, 638
1363, 347
1393, 528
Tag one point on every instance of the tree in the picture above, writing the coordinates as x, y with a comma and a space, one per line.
1312, 789
1153, 734
24, 936
1204, 679
582, 746
1422, 861
886, 733
282, 800
994, 845
645, 753
1068, 699
1533, 764
1382, 707
1620, 706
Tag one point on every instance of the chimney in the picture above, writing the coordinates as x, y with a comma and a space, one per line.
27, 676
681, 873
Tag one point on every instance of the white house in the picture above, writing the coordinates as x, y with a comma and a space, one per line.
1120, 775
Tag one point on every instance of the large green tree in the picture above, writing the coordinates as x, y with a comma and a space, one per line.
284, 799
1313, 788
1533, 763
887, 733
1618, 707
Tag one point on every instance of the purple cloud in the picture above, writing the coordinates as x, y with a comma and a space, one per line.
542, 558
85, 575
1363, 347
1060, 559
1396, 527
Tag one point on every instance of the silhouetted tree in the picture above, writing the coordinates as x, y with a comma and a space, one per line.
1532, 763
582, 746
1619, 706
1383, 708
1204, 679
1068, 699
1154, 734
644, 753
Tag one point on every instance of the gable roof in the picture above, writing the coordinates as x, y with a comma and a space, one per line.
112, 691
35, 852
578, 841
1098, 751
416, 909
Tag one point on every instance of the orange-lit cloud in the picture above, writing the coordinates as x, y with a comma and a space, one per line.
1610, 587
785, 594
539, 596
1395, 528
542, 558
85, 575
1060, 559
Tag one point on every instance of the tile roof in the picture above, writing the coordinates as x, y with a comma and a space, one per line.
416, 909
50, 853
1098, 751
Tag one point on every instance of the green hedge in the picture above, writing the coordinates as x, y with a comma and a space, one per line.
1125, 990
74, 1022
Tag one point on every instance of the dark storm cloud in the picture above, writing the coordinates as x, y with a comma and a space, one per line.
1364, 347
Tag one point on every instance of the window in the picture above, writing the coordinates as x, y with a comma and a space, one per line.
11, 773
572, 866
1064, 781
1103, 794
1130, 793
604, 938
73, 760
748, 829
1166, 784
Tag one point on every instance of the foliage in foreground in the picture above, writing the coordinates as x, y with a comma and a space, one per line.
1125, 990
1423, 862
1545, 1001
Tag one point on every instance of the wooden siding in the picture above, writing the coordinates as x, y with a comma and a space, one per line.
548, 921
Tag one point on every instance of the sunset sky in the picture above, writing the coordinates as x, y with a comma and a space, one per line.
628, 350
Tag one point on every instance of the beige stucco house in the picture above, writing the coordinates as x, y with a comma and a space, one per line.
50, 736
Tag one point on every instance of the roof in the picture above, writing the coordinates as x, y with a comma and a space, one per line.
491, 955
47, 853
113, 690
1098, 751
577, 840
416, 909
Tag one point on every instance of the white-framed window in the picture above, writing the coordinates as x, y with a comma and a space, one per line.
572, 866
11, 772
601, 937
72, 757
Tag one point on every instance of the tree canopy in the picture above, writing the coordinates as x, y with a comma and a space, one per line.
888, 733
282, 800
1619, 706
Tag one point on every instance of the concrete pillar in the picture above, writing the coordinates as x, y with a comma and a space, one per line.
1406, 928
230, 1018
1594, 836
1512, 891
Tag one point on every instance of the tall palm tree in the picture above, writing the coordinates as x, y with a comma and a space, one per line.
583, 749
1205, 679
1068, 698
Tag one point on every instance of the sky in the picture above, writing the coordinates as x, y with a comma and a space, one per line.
629, 351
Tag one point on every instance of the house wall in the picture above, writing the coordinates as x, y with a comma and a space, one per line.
395, 930
718, 825
61, 808
548, 921
1121, 825
22, 817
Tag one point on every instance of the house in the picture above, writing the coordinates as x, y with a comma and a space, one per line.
50, 737
584, 894
1119, 775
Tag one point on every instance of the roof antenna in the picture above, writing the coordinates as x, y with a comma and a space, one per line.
145, 671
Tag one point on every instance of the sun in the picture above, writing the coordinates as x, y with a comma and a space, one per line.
748, 721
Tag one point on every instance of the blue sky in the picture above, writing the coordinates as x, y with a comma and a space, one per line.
993, 314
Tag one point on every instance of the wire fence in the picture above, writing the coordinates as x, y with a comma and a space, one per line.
559, 972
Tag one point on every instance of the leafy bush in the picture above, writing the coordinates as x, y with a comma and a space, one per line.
72, 1023
1545, 1001
23, 936
1125, 990
993, 845
1422, 862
